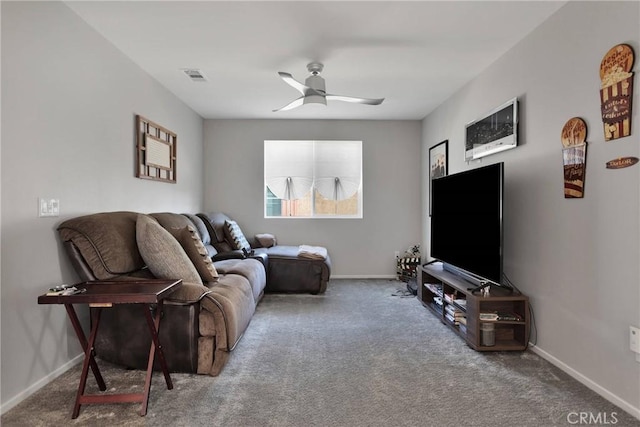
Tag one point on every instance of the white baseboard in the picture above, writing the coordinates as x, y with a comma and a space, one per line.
587, 382
40, 383
368, 276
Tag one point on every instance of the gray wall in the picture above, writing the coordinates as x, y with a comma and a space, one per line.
359, 247
69, 100
576, 259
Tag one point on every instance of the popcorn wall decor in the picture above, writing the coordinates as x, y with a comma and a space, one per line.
616, 92
622, 162
574, 157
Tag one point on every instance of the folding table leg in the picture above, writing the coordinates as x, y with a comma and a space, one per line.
88, 358
83, 342
154, 328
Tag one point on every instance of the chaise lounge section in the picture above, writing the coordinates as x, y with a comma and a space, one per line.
288, 270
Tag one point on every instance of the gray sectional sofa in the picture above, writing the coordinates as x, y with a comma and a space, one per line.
222, 285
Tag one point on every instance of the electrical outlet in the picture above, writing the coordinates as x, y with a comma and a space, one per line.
634, 339
48, 207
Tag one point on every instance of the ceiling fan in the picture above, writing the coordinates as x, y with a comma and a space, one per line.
313, 90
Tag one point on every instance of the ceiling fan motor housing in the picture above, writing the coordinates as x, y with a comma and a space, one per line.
316, 83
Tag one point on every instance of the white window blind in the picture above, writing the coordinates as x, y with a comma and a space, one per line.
288, 168
338, 168
313, 178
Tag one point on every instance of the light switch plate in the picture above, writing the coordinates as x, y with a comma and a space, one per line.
48, 207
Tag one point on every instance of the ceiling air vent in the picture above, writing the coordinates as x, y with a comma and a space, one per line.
195, 75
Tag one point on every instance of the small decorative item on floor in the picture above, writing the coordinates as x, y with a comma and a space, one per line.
406, 264
616, 91
574, 157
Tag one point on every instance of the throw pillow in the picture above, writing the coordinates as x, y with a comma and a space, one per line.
197, 253
266, 240
162, 253
238, 241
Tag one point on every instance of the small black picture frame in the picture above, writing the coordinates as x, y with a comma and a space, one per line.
438, 164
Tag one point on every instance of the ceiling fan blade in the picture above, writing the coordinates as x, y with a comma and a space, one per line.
368, 101
288, 79
293, 104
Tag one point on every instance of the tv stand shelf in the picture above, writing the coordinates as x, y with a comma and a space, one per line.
448, 297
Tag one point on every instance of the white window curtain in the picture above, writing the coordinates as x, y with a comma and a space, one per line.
338, 168
288, 168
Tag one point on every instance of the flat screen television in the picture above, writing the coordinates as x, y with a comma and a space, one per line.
466, 223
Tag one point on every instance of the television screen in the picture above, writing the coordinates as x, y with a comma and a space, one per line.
466, 221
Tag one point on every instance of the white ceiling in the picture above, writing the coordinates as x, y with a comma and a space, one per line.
415, 54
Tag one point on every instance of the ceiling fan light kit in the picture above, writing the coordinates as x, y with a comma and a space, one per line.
314, 91
315, 99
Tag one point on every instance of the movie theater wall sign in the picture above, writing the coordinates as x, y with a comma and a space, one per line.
616, 91
574, 157
622, 162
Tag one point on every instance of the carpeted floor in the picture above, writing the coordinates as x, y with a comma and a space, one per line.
355, 356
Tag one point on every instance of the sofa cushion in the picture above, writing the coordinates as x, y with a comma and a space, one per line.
235, 236
201, 227
174, 223
163, 254
249, 268
197, 253
183, 230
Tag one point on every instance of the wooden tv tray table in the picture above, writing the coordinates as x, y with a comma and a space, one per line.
104, 294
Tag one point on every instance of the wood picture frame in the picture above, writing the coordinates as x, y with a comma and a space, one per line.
155, 151
494, 132
438, 164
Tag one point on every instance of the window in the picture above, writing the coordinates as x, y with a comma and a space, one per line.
313, 179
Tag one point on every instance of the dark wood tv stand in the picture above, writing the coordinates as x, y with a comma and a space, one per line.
461, 310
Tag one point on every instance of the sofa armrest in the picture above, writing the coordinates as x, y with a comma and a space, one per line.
188, 293
263, 240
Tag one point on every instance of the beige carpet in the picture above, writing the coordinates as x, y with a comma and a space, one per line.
355, 356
